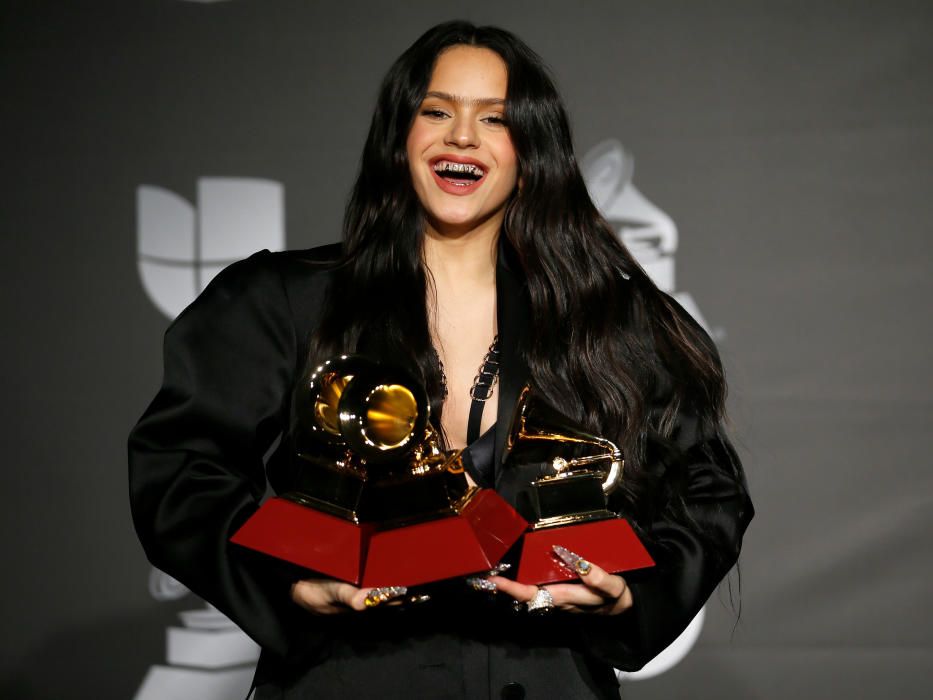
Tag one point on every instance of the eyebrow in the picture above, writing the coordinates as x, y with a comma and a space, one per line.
464, 100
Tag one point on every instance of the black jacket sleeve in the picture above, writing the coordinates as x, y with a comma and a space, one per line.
196, 455
691, 559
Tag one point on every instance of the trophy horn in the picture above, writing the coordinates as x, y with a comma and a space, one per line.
538, 429
380, 413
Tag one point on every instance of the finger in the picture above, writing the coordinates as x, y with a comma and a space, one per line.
329, 609
613, 607
565, 595
317, 596
575, 610
574, 594
373, 597
357, 601
612, 586
606, 605
347, 595
604, 609
601, 581
574, 597
519, 591
591, 575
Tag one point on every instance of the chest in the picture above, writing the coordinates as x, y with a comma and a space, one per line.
463, 329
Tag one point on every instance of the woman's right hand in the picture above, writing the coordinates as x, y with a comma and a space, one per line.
322, 596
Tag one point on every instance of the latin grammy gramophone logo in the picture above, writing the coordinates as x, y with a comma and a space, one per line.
206, 656
647, 231
651, 235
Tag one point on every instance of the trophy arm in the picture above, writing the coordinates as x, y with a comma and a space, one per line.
564, 466
614, 476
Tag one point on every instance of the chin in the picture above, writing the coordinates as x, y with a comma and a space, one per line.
458, 218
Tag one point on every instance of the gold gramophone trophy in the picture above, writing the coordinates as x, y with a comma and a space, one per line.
566, 503
375, 501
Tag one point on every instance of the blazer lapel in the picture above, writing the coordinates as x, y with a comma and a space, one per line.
513, 318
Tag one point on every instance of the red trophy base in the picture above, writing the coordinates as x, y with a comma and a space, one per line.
473, 541
610, 544
307, 537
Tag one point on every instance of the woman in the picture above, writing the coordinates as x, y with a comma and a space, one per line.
469, 236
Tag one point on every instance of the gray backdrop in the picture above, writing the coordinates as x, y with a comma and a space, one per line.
790, 142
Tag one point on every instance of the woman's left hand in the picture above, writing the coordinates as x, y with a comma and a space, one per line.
600, 592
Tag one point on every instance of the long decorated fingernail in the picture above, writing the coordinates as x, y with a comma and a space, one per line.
377, 596
478, 583
574, 562
499, 569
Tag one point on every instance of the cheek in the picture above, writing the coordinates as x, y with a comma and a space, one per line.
411, 147
419, 139
512, 169
416, 171
508, 160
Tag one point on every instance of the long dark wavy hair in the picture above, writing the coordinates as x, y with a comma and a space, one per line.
603, 334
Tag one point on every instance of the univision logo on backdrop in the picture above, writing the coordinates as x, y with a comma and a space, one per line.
183, 245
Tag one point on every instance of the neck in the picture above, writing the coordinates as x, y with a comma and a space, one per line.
463, 258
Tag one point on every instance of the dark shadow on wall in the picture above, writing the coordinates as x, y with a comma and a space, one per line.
104, 660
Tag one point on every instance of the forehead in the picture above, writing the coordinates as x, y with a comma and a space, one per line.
470, 72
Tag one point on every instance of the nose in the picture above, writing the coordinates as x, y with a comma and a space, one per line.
462, 133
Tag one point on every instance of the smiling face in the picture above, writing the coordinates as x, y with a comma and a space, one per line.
463, 165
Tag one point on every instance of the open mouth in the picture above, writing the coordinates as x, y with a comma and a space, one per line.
458, 174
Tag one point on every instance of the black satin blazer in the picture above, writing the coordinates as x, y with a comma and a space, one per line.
199, 459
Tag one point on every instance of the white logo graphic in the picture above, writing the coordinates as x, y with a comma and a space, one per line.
207, 657
182, 246
651, 236
672, 655
648, 232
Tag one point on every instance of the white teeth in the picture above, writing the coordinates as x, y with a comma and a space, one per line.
451, 167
